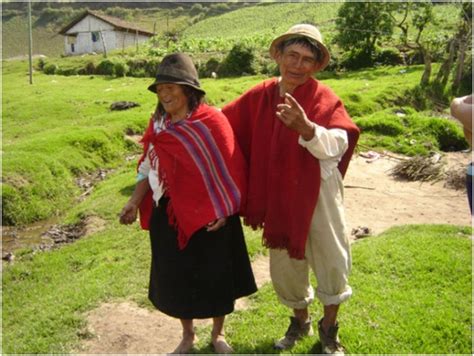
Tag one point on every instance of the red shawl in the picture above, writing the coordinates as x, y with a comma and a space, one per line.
202, 170
284, 178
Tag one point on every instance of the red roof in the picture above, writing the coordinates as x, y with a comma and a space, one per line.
116, 22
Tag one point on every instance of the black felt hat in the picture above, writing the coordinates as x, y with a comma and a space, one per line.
177, 68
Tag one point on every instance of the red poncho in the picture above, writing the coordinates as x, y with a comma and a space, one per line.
284, 178
202, 171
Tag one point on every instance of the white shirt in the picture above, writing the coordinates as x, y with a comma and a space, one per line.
145, 169
327, 145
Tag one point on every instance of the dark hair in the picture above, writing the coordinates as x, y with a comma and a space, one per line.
305, 42
195, 97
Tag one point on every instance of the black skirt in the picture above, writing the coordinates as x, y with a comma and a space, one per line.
205, 278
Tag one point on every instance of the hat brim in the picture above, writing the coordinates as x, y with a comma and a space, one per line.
322, 47
152, 87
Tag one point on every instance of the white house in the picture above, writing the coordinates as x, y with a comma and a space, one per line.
94, 32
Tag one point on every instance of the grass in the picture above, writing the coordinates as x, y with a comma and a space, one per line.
412, 295
46, 295
265, 19
61, 127
412, 290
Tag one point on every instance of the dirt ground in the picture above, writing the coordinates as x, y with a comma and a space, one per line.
373, 199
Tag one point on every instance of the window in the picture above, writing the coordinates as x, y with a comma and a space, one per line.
95, 36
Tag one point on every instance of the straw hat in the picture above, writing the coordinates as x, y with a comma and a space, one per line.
302, 30
177, 68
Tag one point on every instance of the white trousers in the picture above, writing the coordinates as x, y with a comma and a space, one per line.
327, 253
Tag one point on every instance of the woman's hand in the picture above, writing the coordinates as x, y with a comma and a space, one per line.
216, 224
128, 215
293, 116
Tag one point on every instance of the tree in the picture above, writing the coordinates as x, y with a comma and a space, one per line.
464, 41
360, 25
421, 14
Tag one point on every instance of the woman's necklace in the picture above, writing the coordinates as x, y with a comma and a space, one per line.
169, 123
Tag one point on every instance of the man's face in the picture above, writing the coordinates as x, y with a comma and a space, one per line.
297, 64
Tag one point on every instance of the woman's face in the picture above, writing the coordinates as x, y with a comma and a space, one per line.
173, 99
297, 64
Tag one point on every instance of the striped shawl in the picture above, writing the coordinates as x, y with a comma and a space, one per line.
202, 171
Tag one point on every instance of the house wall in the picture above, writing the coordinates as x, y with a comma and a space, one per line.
83, 37
126, 39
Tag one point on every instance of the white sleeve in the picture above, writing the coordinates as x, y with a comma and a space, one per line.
327, 144
144, 169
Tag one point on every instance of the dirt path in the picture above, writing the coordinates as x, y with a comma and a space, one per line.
373, 199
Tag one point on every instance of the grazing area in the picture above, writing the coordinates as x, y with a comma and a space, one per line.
70, 144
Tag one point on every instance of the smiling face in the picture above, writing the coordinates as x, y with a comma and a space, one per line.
173, 99
297, 64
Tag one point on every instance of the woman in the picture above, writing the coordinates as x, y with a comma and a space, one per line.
191, 180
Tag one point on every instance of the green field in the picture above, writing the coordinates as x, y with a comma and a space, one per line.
62, 127
412, 283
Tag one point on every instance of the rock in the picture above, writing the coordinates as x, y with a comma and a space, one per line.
9, 257
360, 232
123, 105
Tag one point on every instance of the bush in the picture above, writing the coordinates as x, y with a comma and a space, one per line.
356, 59
106, 67
218, 8
41, 64
389, 56
119, 12
89, 68
385, 125
197, 9
449, 136
239, 61
206, 70
120, 69
67, 71
136, 67
50, 68
151, 67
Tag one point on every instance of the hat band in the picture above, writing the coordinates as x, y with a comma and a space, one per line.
163, 78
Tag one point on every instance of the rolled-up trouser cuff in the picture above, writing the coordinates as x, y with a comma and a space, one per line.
298, 304
337, 299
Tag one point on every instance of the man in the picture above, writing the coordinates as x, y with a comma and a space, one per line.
461, 109
298, 140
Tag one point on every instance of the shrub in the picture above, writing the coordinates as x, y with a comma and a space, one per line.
89, 68
151, 67
50, 68
385, 125
41, 64
218, 8
106, 67
120, 12
136, 67
447, 133
356, 59
120, 69
197, 9
210, 66
389, 56
67, 71
239, 61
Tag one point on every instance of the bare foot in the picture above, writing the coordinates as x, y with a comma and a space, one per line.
221, 346
186, 344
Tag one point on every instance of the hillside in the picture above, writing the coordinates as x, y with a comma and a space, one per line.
265, 19
226, 21
48, 19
